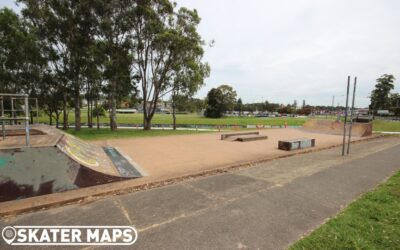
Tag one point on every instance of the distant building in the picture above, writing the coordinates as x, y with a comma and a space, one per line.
383, 112
161, 107
127, 111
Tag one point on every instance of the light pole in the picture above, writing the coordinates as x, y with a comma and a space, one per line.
262, 105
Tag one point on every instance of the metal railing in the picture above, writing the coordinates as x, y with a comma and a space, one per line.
14, 117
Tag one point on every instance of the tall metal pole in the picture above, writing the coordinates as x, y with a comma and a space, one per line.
3, 127
345, 115
37, 111
27, 121
12, 111
351, 114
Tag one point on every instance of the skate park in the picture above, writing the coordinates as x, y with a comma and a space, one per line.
199, 125
172, 156
48, 166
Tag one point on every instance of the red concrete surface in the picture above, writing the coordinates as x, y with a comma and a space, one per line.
172, 156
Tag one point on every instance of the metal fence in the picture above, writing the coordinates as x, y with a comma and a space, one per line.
11, 116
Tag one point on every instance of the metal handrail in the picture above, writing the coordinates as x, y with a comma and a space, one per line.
3, 118
12, 110
12, 95
13, 118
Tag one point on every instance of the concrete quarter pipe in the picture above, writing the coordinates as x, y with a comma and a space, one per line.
336, 127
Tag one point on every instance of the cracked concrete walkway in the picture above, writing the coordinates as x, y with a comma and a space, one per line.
266, 206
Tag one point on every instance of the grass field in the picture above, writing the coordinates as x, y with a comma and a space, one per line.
380, 125
190, 119
372, 222
103, 133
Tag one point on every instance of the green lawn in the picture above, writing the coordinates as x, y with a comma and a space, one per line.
191, 119
379, 125
372, 222
103, 134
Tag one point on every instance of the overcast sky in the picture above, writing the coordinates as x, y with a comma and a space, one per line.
299, 49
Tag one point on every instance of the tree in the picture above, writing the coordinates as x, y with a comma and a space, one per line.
93, 79
194, 105
21, 63
395, 103
306, 110
229, 97
97, 112
284, 110
380, 95
181, 102
52, 97
272, 107
163, 40
22, 67
239, 106
190, 104
220, 100
66, 29
215, 103
114, 40
188, 70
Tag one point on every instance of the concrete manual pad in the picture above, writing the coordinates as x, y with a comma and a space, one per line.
246, 138
228, 135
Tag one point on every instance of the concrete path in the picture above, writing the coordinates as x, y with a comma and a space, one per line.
267, 206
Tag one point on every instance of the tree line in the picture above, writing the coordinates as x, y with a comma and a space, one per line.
224, 99
382, 97
64, 52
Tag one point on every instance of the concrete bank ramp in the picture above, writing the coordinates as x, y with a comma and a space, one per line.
336, 127
107, 161
56, 162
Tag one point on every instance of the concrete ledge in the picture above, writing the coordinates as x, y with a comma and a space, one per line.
251, 138
226, 136
294, 144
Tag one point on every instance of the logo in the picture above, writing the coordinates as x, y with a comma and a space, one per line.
69, 235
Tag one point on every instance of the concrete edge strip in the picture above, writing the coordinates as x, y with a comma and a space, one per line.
387, 132
134, 163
